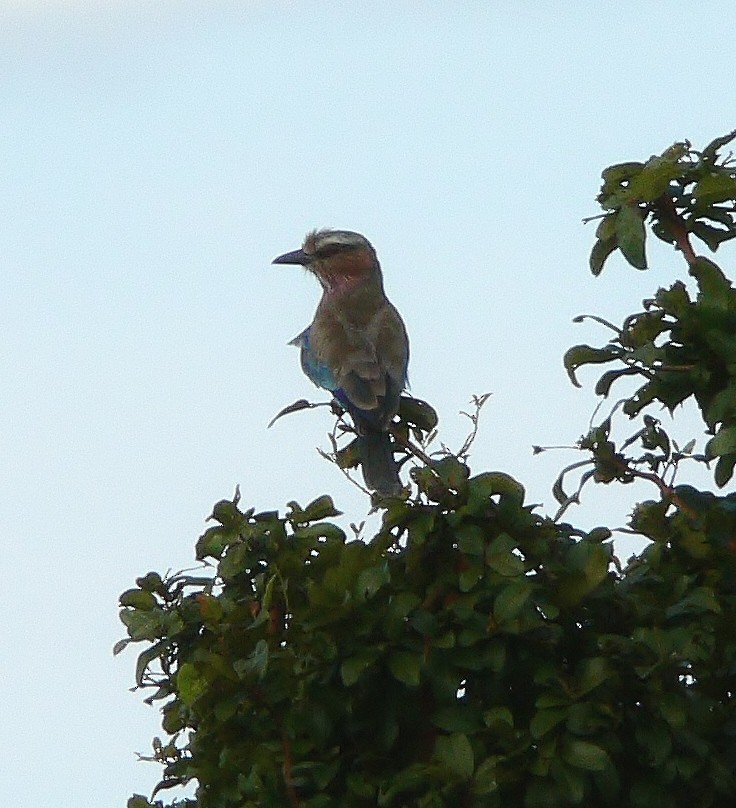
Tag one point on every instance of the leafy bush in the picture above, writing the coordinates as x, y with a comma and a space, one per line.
475, 652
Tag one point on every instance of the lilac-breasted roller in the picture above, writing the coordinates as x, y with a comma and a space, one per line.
356, 346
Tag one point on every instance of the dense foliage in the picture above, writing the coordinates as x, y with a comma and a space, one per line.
475, 652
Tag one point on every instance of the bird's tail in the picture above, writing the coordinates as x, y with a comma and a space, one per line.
379, 468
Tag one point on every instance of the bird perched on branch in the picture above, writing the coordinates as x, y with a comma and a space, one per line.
356, 346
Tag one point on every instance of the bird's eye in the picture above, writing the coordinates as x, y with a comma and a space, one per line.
329, 250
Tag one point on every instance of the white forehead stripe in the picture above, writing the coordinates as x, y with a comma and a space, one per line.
340, 238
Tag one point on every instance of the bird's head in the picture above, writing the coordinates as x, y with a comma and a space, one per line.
338, 258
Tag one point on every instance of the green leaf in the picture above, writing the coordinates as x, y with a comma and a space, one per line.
457, 718
234, 561
586, 566
502, 558
138, 599
470, 540
151, 582
451, 471
570, 780
723, 443
301, 404
349, 456
585, 755
210, 608
352, 668
714, 287
402, 604
418, 413
212, 543
409, 779
580, 355
267, 597
655, 741
673, 709
621, 172
603, 385
492, 483
256, 662
724, 469
370, 580
712, 236
606, 227
600, 252
556, 698
144, 625
545, 720
121, 645
495, 656
558, 491
710, 152
656, 175
723, 215
712, 188
456, 754
146, 657
498, 715
226, 512
590, 674
631, 235
721, 407
321, 508
405, 666
583, 718
675, 300
190, 684
320, 530
470, 575
599, 534
592, 559
698, 601
138, 801
425, 622
511, 600
541, 791
643, 328
444, 640
485, 779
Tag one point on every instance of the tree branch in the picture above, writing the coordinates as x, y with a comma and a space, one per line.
669, 213
294, 800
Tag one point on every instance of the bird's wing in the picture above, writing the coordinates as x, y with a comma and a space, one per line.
315, 369
366, 360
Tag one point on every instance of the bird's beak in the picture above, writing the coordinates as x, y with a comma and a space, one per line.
294, 257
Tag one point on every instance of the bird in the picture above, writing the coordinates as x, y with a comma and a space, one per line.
356, 346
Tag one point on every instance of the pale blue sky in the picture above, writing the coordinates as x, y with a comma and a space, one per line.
155, 158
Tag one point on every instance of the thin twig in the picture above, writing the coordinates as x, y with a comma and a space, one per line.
664, 489
410, 447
